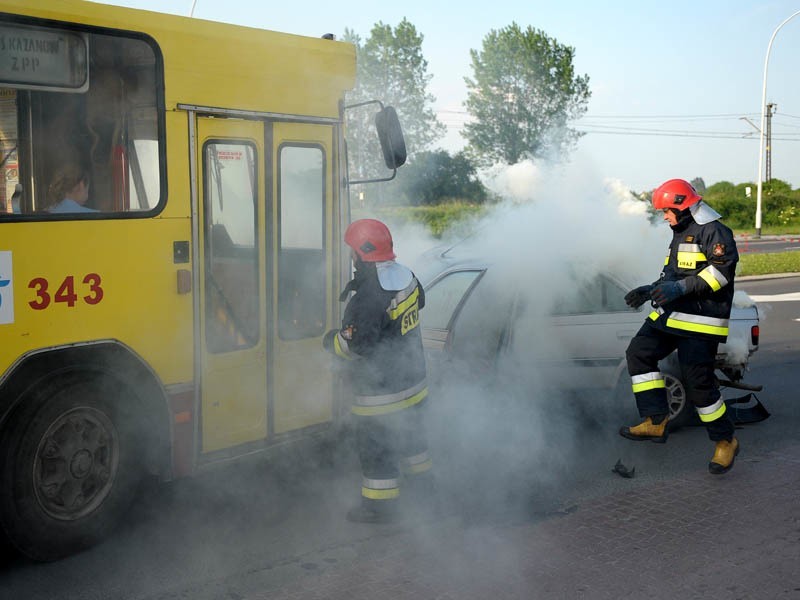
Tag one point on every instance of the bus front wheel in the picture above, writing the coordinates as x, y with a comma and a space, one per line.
69, 466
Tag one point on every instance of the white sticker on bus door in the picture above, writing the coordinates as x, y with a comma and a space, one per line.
6, 289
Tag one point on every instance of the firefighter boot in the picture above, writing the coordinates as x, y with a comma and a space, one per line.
374, 512
652, 428
724, 455
422, 498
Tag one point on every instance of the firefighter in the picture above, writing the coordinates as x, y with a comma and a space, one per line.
381, 343
691, 306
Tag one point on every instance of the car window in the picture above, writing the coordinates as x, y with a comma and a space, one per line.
444, 296
614, 297
583, 298
481, 323
596, 296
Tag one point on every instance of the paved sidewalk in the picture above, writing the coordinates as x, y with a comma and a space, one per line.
695, 536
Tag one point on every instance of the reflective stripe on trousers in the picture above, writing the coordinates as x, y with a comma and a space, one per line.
380, 489
711, 413
650, 392
414, 465
647, 381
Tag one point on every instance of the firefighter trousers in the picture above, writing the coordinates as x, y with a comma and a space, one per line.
696, 358
389, 446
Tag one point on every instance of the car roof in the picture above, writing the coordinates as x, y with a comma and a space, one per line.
444, 259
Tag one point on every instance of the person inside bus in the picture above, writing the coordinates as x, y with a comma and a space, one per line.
69, 191
16, 199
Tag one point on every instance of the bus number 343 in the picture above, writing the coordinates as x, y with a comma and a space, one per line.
66, 291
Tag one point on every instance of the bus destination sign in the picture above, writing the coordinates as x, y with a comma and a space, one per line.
43, 59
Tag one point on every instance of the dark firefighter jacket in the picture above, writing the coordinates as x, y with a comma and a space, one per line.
704, 257
380, 337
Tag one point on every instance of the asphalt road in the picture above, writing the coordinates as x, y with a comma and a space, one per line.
270, 520
748, 245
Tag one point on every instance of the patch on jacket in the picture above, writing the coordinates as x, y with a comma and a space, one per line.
690, 238
719, 250
410, 319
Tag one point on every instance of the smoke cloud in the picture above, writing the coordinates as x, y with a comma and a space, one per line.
501, 426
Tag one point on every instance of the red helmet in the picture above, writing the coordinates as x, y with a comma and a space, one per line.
370, 239
675, 193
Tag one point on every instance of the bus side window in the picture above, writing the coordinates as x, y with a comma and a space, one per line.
230, 201
108, 126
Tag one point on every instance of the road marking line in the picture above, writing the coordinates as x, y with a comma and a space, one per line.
789, 297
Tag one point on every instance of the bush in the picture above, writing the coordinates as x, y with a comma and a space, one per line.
438, 218
738, 211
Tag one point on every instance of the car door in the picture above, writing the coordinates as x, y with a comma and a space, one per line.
593, 327
443, 301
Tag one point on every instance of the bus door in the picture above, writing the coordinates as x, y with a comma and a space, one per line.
302, 226
232, 357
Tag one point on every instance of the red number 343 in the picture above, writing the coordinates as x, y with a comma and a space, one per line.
66, 291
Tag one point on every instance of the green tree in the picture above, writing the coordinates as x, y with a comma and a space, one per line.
720, 188
738, 209
391, 68
522, 95
436, 177
778, 202
698, 184
732, 202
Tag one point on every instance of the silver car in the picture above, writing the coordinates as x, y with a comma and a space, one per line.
477, 316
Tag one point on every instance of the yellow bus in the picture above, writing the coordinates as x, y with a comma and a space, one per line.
172, 198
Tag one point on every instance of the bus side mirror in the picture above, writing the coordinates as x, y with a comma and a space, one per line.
391, 137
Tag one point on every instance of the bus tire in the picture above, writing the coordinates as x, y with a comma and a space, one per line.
69, 465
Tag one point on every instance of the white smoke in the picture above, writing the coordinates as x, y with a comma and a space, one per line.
553, 233
567, 219
736, 347
742, 300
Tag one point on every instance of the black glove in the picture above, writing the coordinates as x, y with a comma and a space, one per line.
638, 296
327, 341
668, 291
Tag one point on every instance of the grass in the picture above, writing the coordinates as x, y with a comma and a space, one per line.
438, 218
768, 264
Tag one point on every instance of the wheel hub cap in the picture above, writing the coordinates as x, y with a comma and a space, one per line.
75, 463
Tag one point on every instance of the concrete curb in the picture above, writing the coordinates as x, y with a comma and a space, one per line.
741, 237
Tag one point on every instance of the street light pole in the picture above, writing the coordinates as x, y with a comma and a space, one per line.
760, 185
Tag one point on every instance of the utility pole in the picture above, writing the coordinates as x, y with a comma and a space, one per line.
770, 108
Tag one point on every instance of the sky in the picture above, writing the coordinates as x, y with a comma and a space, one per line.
676, 86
